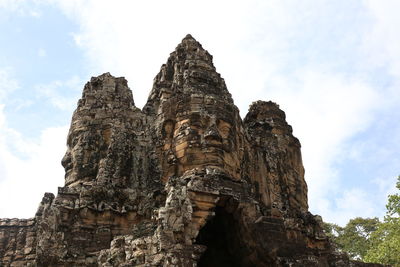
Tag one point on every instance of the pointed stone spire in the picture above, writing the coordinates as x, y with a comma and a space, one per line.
194, 113
105, 112
189, 70
106, 90
278, 150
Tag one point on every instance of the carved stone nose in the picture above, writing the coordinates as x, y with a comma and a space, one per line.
66, 160
213, 134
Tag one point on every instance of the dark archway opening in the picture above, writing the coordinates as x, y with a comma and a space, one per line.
221, 236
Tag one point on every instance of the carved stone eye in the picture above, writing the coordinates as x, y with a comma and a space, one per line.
196, 125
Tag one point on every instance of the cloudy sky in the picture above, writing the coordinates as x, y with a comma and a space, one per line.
332, 66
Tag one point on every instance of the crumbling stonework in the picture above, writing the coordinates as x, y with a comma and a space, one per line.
183, 182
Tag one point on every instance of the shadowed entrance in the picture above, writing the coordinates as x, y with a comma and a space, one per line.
221, 236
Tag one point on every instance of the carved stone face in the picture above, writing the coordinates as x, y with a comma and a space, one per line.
85, 149
202, 137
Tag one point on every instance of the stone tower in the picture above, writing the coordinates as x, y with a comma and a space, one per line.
183, 182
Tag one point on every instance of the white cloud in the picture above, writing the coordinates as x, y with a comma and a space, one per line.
9, 4
42, 52
22, 7
35, 13
23, 180
352, 203
7, 83
61, 94
382, 43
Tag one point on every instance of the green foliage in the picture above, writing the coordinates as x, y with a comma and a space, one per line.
393, 206
331, 230
368, 239
354, 238
386, 239
386, 243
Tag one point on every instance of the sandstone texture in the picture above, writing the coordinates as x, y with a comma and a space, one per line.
182, 182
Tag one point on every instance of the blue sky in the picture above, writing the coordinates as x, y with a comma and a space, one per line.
333, 66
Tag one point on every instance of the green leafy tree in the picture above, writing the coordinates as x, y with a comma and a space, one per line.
385, 240
393, 206
331, 230
354, 238
368, 239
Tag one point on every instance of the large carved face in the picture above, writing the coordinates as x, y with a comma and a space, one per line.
204, 133
85, 148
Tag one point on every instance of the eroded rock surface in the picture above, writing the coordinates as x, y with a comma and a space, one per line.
183, 182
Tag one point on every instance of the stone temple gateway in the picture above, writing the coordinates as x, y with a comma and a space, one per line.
182, 182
